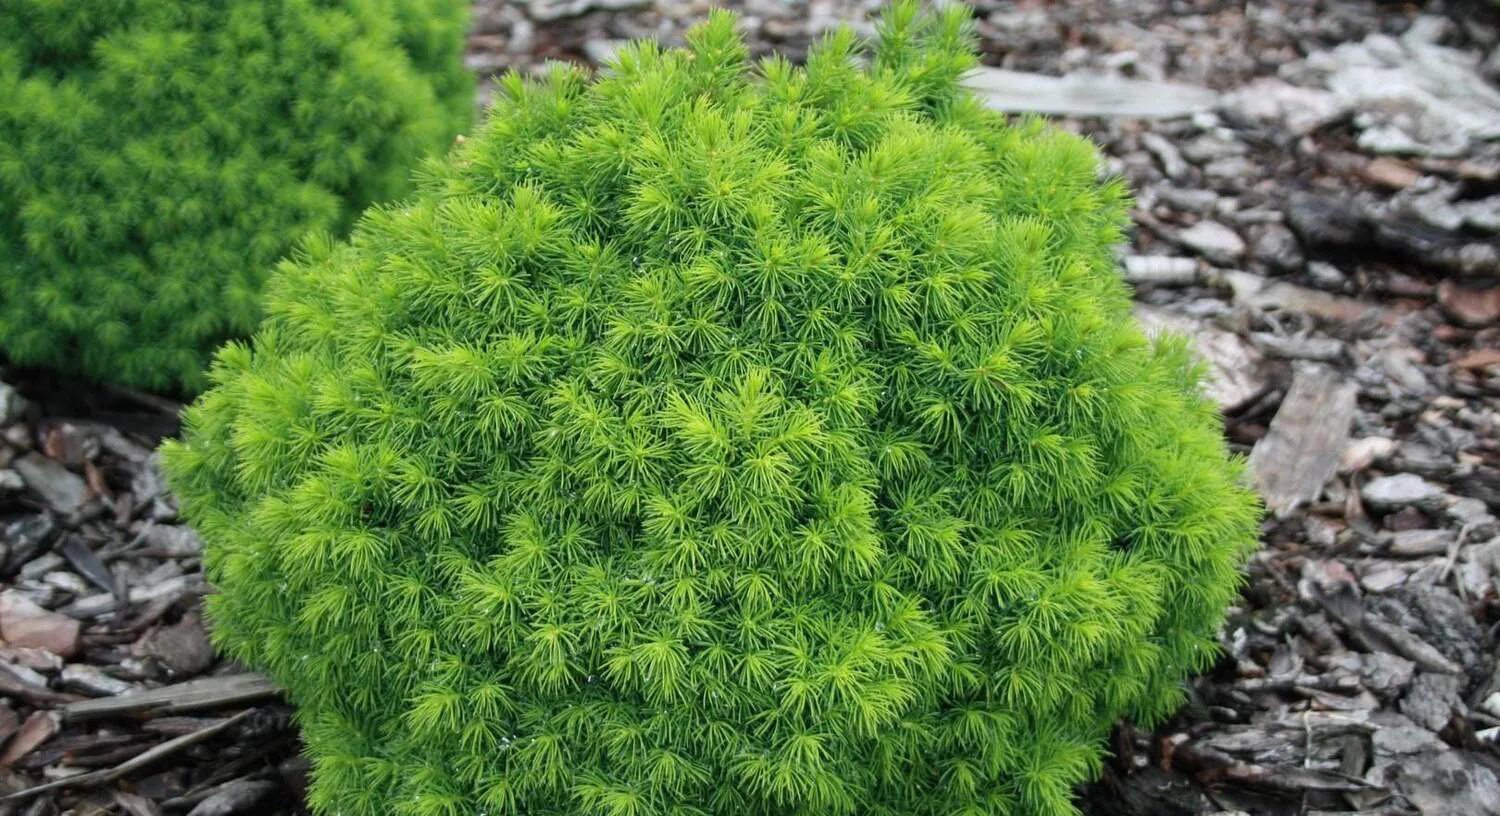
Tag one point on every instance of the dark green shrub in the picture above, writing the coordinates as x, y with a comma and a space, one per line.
703, 440
158, 156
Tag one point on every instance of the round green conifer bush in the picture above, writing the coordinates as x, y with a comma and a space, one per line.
157, 157
722, 440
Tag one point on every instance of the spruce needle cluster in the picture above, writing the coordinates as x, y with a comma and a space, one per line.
157, 157
717, 438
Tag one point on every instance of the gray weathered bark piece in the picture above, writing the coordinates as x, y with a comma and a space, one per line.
1087, 95
179, 698
1300, 452
1234, 366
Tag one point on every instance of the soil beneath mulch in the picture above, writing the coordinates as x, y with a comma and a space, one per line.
1318, 191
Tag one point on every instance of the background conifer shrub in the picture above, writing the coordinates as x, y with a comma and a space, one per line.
158, 156
722, 440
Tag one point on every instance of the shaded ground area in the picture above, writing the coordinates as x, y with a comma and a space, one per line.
1318, 208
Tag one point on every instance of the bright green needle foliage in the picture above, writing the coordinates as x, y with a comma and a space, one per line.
158, 156
720, 440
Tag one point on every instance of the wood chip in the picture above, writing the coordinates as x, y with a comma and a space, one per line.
182, 648
1409, 646
193, 695
39, 727
1087, 95
134, 805
14, 684
1234, 366
1361, 453
86, 563
10, 722
239, 796
1302, 448
1470, 306
1392, 173
1479, 358
61, 488
1289, 779
23, 623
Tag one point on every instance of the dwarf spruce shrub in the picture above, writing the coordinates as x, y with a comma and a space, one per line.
158, 156
721, 440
